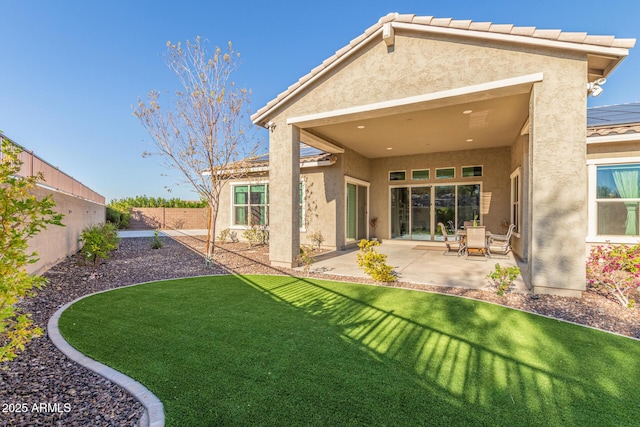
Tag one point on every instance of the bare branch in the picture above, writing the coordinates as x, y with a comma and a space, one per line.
204, 132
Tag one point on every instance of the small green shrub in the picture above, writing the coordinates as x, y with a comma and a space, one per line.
374, 263
224, 235
502, 278
156, 243
118, 216
255, 235
316, 238
98, 242
306, 257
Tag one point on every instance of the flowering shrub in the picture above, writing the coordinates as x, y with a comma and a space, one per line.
374, 263
615, 270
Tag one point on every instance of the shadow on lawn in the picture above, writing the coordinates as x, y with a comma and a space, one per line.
475, 375
470, 373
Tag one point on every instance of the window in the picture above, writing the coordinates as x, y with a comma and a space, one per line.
617, 199
468, 171
516, 207
445, 173
251, 204
397, 176
420, 174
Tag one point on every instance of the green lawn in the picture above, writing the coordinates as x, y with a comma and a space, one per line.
269, 350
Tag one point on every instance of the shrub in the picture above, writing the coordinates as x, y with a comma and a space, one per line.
224, 235
374, 263
22, 215
614, 270
316, 238
156, 243
98, 242
306, 257
255, 235
502, 278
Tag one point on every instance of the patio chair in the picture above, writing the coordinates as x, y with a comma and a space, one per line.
477, 241
501, 243
452, 243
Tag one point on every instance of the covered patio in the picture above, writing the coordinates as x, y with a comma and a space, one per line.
422, 264
442, 121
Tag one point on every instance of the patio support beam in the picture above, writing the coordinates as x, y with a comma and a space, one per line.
319, 143
284, 196
478, 92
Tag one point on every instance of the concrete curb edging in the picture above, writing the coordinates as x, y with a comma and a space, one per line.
153, 415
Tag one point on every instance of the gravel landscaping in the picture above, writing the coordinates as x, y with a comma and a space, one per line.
42, 375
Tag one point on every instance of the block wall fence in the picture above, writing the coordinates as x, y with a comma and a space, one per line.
56, 243
172, 218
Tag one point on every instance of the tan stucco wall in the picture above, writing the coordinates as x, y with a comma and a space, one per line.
55, 243
556, 194
495, 198
322, 192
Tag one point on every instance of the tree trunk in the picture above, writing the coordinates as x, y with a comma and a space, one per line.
211, 230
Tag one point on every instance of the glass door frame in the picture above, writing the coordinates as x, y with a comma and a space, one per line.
433, 225
359, 184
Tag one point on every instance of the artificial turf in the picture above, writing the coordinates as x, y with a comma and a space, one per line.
277, 350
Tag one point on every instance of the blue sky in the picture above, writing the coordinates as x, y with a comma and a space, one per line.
71, 70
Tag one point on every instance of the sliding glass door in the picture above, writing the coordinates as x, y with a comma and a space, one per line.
416, 211
421, 213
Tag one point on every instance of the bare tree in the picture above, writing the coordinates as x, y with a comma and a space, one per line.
204, 133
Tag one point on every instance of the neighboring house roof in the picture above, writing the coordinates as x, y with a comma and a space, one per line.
620, 119
309, 157
609, 49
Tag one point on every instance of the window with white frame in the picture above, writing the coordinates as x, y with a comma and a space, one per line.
618, 199
445, 173
516, 203
471, 171
251, 204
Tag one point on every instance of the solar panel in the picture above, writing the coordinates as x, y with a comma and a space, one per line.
610, 115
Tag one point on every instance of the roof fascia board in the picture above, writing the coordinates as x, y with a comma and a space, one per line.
533, 41
627, 137
412, 103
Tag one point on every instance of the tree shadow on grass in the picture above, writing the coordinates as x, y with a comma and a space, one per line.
451, 365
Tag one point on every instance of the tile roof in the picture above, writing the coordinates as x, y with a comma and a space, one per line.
481, 29
619, 119
613, 130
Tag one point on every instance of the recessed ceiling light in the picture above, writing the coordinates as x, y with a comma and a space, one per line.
360, 126
389, 148
470, 140
467, 112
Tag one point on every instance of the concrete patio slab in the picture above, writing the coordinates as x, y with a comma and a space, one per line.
423, 264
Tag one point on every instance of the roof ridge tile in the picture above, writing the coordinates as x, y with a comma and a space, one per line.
501, 28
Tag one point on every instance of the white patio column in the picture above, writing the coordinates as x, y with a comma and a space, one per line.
284, 195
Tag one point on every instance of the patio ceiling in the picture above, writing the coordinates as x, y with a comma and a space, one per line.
486, 115
490, 123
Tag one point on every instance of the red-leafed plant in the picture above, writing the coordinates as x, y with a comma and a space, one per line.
614, 270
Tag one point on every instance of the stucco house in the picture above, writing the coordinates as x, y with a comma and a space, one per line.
422, 120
